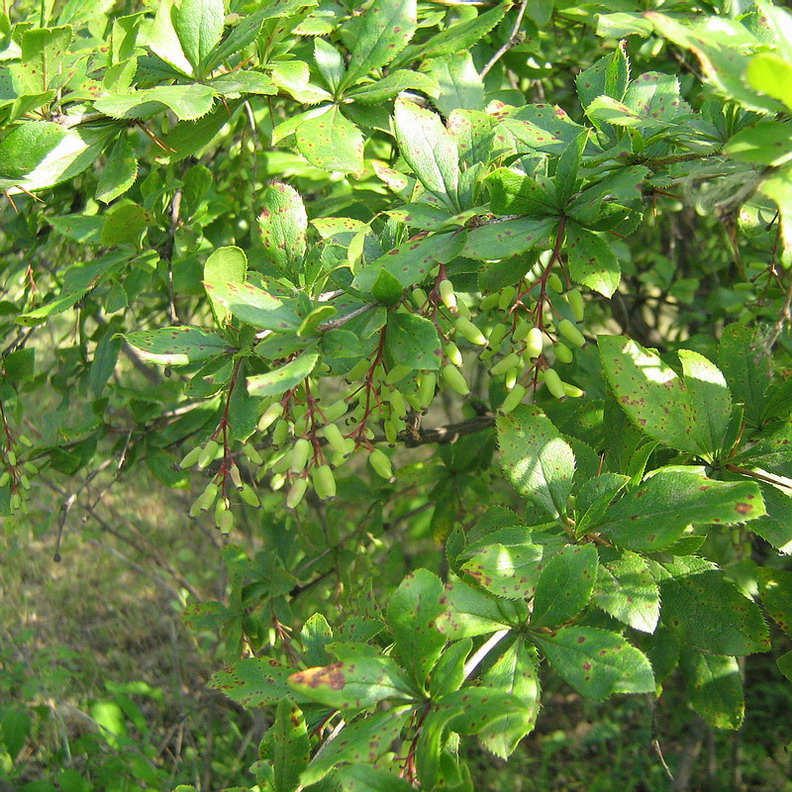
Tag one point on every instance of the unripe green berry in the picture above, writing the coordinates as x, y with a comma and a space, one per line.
296, 493
280, 432
390, 432
446, 290
576, 304
208, 454
454, 379
397, 374
277, 482
572, 391
251, 452
30, 467
324, 482
334, 437
468, 330
534, 343
191, 457
248, 494
554, 384
420, 296
269, 416
397, 403
571, 333
380, 463
506, 296
453, 354
521, 331
360, 369
12, 458
236, 476
462, 309
299, 455
25, 440
426, 388
512, 360
226, 522
335, 411
555, 283
497, 334
511, 378
490, 301
563, 353
5, 477
513, 398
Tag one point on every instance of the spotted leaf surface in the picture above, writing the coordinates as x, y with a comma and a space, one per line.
565, 585
254, 306
591, 260
515, 672
775, 589
413, 341
288, 746
506, 239
429, 150
186, 102
539, 126
626, 590
176, 346
283, 378
650, 392
509, 572
537, 460
227, 264
479, 710
468, 612
283, 224
385, 30
654, 514
706, 611
715, 686
361, 742
355, 684
253, 682
597, 663
331, 142
411, 613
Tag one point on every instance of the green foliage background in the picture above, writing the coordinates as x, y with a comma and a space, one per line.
473, 320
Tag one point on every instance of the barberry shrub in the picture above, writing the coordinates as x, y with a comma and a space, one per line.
473, 318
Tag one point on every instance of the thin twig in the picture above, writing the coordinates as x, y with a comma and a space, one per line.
515, 38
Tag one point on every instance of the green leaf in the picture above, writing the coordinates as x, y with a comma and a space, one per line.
409, 263
290, 747
785, 665
362, 742
706, 611
763, 143
609, 76
176, 346
513, 192
468, 612
515, 672
43, 51
164, 466
411, 613
502, 240
314, 636
284, 378
710, 399
540, 127
330, 63
364, 778
254, 306
386, 29
357, 684
715, 686
650, 392
591, 261
773, 451
283, 225
775, 590
429, 150
770, 74
511, 572
747, 381
627, 591
225, 265
163, 40
186, 102
392, 85
26, 145
597, 663
480, 710
455, 38
565, 585
124, 223
413, 341
253, 682
331, 142
776, 526
234, 84
655, 514
120, 172
537, 460
199, 26
461, 88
